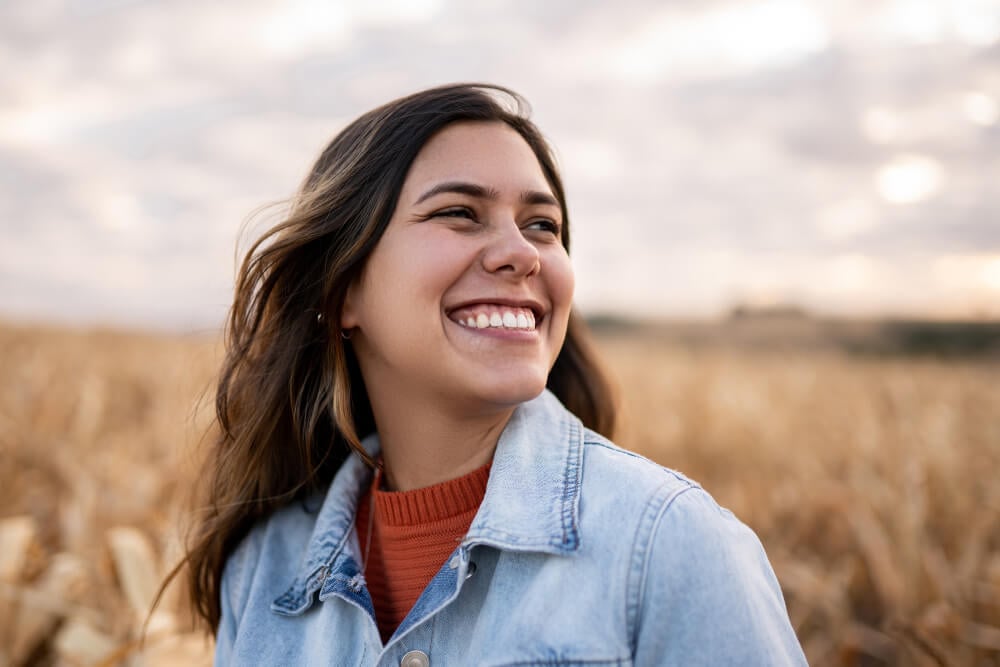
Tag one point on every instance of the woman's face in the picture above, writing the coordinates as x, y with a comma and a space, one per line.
467, 295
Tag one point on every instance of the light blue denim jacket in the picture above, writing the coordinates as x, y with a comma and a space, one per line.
581, 554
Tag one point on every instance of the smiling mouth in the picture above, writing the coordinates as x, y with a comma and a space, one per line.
495, 316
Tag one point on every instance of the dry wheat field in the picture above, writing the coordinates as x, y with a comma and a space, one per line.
873, 483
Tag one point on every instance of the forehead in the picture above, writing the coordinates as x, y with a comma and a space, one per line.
488, 153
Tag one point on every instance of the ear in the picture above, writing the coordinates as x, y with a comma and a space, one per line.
349, 311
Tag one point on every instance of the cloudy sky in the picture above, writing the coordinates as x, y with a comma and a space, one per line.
839, 154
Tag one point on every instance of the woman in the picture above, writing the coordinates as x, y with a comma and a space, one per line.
410, 470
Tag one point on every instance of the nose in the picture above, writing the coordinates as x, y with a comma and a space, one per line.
510, 253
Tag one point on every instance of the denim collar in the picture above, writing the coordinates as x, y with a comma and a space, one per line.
532, 499
531, 502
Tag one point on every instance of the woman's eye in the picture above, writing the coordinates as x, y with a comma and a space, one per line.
545, 225
459, 212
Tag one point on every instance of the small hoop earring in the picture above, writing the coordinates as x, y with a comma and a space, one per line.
345, 334
319, 318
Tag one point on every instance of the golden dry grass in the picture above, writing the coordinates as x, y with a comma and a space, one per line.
873, 484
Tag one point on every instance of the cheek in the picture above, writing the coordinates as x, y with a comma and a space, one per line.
438, 262
561, 281
412, 273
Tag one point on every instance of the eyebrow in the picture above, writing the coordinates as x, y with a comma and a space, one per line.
480, 192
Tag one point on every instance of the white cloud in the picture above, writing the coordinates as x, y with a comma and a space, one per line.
719, 41
989, 272
980, 108
881, 125
846, 219
908, 179
293, 29
591, 161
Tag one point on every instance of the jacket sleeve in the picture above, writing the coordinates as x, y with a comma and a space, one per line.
707, 594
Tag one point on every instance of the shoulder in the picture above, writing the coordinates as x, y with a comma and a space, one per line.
629, 476
705, 592
676, 517
697, 575
655, 506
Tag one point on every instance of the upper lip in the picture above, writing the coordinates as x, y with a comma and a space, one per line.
537, 309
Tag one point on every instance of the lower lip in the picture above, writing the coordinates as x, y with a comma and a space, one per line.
501, 333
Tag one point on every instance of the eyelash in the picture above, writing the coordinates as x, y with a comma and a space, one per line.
549, 225
454, 213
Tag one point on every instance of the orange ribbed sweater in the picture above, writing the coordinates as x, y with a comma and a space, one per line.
413, 533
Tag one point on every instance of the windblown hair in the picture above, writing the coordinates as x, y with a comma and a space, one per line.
290, 404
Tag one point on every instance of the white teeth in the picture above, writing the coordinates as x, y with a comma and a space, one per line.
523, 319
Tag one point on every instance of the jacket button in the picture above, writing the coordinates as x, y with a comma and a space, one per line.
415, 659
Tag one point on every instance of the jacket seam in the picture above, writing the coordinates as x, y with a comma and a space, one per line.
642, 550
614, 448
611, 447
571, 484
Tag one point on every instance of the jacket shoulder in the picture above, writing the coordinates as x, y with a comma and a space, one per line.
604, 461
623, 496
702, 554
685, 547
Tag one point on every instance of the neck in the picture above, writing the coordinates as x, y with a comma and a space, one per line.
422, 446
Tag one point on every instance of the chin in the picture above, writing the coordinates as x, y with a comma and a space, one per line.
512, 391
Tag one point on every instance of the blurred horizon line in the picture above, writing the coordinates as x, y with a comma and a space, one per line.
603, 319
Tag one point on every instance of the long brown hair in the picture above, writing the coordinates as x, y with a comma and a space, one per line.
290, 403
